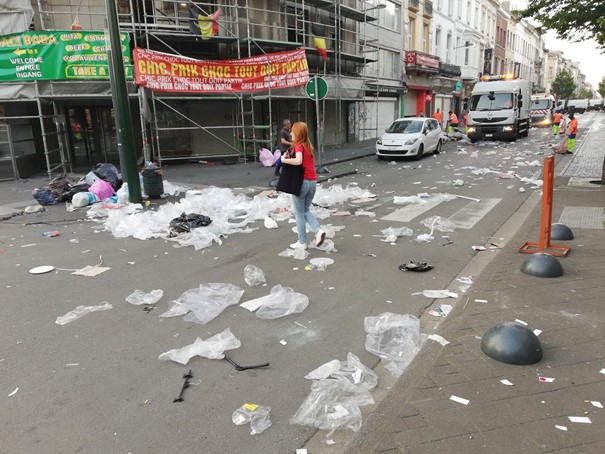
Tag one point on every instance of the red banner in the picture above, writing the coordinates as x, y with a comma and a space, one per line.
171, 73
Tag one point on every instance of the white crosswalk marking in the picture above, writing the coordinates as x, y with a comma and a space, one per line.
473, 212
409, 212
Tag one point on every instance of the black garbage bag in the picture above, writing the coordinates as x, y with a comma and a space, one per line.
59, 186
44, 196
110, 173
186, 222
68, 195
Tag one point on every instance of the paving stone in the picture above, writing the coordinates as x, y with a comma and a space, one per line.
414, 437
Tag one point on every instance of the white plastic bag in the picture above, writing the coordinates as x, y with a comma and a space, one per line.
391, 234
256, 415
82, 199
355, 372
139, 297
81, 311
284, 301
211, 348
324, 371
254, 276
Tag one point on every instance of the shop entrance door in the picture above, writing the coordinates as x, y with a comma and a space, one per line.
93, 136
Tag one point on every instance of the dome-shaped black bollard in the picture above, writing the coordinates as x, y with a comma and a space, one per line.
560, 232
512, 343
542, 264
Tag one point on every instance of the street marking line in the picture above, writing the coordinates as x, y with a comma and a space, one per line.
582, 217
409, 212
473, 212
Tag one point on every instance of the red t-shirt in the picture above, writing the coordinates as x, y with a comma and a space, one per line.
308, 162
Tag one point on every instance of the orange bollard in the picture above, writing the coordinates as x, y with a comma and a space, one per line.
546, 222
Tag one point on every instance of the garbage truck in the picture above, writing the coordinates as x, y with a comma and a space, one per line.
499, 108
541, 110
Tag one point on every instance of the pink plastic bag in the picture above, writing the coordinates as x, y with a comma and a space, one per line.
102, 189
266, 157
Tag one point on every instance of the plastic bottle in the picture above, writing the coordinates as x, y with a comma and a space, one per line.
123, 194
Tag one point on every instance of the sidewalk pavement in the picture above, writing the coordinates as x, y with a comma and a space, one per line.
531, 416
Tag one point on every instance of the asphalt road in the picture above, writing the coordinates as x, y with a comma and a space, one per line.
96, 385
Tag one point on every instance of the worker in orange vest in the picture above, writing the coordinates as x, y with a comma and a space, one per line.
453, 122
556, 121
439, 117
573, 130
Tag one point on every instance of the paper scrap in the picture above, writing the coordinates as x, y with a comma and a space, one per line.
521, 322
330, 442
537, 332
580, 419
561, 427
506, 382
602, 371
91, 271
14, 392
596, 403
283, 342
442, 310
254, 304
301, 451
546, 379
438, 338
478, 248
439, 294
459, 400
481, 301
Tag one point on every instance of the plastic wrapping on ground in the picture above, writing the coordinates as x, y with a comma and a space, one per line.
81, 311
44, 196
395, 338
139, 297
324, 371
391, 234
283, 301
256, 415
203, 304
336, 194
298, 253
351, 370
173, 188
254, 276
332, 404
211, 348
438, 223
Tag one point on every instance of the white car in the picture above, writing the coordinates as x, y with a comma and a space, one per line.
410, 136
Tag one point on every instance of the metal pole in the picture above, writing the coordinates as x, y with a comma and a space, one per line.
320, 168
119, 95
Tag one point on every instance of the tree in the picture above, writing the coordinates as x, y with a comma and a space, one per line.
601, 89
563, 86
585, 93
573, 20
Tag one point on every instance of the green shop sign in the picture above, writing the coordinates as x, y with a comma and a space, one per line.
57, 55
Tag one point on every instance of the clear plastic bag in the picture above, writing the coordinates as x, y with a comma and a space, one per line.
256, 415
298, 253
254, 276
391, 234
395, 338
324, 371
355, 372
139, 297
438, 223
333, 403
81, 311
211, 348
284, 301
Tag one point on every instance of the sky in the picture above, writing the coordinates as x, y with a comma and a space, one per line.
592, 61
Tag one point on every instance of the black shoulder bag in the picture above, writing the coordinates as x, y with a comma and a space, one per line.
291, 178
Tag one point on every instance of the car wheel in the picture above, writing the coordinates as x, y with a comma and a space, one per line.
438, 147
380, 158
418, 156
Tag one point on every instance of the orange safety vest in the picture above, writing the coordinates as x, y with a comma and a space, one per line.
573, 126
453, 119
437, 116
557, 117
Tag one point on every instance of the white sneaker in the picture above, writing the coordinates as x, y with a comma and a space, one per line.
298, 245
320, 236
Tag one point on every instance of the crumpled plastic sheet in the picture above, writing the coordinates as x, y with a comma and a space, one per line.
256, 415
332, 230
438, 223
284, 301
270, 223
173, 188
336, 194
413, 199
395, 338
211, 348
351, 370
391, 234
327, 246
298, 253
81, 311
254, 276
333, 403
203, 304
139, 297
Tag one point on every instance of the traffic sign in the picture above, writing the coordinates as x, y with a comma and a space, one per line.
317, 88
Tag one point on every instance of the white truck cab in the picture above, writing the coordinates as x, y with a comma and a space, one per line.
499, 108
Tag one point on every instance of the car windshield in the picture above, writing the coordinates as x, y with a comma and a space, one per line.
405, 127
540, 104
492, 101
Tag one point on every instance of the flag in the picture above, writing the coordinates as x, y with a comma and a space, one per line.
322, 49
76, 25
206, 26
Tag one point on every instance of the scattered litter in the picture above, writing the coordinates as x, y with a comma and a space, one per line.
415, 266
460, 400
139, 297
506, 382
442, 310
81, 311
324, 371
521, 322
256, 415
33, 209
74, 241
395, 338
298, 253
241, 368
270, 223
186, 222
321, 262
283, 301
438, 338
254, 276
42, 269
283, 342
369, 214
211, 348
546, 379
580, 419
481, 301
439, 294
330, 442
187, 376
301, 451
14, 392
72, 364
391, 234
51, 234
560, 427
300, 324
537, 332
91, 270
467, 198
479, 248
458, 183
596, 403
29, 245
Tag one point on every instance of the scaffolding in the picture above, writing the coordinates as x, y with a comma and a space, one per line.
231, 125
